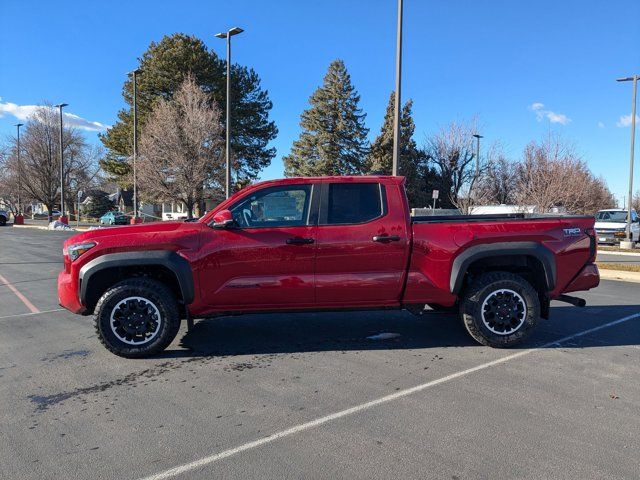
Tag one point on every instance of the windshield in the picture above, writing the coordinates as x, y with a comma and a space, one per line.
611, 216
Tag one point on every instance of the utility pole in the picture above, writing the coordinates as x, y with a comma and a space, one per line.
477, 173
633, 79
62, 218
18, 125
227, 35
134, 74
397, 108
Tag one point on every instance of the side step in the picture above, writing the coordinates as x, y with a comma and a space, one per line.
578, 302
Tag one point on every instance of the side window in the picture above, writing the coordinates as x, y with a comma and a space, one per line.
274, 207
352, 203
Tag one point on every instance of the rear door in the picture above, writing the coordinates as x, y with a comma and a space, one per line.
362, 244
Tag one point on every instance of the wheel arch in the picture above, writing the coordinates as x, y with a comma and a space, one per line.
530, 256
106, 270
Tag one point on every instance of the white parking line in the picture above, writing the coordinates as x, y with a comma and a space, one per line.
32, 313
187, 467
22, 298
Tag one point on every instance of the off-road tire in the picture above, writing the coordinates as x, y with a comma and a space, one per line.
488, 285
152, 290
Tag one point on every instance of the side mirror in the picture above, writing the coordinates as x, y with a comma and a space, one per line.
222, 219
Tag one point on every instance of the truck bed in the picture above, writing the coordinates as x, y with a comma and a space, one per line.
497, 217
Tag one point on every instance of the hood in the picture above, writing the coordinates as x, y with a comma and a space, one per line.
155, 231
610, 225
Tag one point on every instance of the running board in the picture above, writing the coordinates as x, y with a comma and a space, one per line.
578, 302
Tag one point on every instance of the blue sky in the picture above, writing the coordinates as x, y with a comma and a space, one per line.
494, 59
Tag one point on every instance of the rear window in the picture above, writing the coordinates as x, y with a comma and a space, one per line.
354, 203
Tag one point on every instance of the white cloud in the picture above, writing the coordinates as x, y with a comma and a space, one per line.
625, 121
600, 124
553, 117
23, 112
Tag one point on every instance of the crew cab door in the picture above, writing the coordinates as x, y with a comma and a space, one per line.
362, 244
266, 260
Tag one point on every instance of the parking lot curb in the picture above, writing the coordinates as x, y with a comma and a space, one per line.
38, 227
621, 253
619, 275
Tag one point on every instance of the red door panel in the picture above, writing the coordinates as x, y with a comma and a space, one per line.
257, 268
352, 269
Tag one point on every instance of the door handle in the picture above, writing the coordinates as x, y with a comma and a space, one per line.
299, 241
386, 238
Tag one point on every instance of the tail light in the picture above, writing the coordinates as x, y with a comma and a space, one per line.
593, 244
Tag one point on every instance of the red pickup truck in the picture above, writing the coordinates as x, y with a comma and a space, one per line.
325, 243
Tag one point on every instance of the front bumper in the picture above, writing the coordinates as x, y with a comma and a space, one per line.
610, 237
68, 293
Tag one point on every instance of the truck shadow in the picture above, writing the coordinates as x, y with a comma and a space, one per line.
347, 331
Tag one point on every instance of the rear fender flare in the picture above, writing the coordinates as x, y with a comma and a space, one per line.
533, 249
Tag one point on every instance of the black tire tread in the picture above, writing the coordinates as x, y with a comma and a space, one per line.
470, 301
163, 296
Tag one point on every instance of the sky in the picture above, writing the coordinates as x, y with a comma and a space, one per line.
523, 68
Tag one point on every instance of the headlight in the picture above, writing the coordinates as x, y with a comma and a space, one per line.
74, 251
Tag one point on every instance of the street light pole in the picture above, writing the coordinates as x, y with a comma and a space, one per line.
227, 35
135, 73
62, 218
477, 174
397, 107
18, 125
477, 137
634, 79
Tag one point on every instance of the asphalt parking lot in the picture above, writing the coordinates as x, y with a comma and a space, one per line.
309, 396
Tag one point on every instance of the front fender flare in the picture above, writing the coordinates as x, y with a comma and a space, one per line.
165, 258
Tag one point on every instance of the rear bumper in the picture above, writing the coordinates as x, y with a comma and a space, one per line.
588, 278
68, 293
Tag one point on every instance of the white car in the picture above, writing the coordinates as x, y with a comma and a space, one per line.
611, 225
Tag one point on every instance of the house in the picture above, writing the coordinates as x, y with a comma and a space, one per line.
123, 200
178, 210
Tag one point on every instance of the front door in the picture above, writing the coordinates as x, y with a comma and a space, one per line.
267, 259
362, 245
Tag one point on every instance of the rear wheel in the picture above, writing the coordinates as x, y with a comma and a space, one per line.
500, 309
3, 221
137, 318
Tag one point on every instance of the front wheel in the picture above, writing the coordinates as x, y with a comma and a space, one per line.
500, 309
137, 318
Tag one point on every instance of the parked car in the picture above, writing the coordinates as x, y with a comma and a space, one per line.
611, 225
4, 217
326, 243
114, 218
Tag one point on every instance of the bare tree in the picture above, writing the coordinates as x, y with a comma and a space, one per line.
636, 201
551, 174
40, 156
452, 152
9, 183
498, 182
181, 147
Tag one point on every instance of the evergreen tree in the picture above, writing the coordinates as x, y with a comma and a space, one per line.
165, 65
333, 139
420, 178
99, 205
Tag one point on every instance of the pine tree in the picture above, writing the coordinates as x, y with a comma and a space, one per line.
420, 178
165, 65
333, 139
